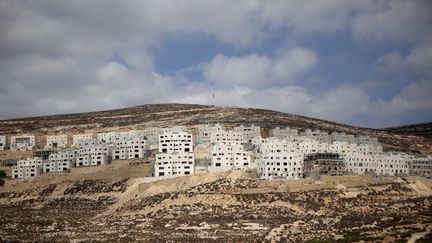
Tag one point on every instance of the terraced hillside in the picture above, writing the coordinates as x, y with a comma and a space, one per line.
164, 115
224, 207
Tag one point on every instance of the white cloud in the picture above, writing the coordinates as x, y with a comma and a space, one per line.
259, 70
54, 54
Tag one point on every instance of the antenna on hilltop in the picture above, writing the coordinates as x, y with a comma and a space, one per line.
213, 99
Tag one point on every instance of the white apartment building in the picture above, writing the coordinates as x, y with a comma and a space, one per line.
280, 165
106, 136
175, 157
421, 166
229, 156
318, 135
173, 129
283, 133
130, 148
226, 137
386, 164
343, 137
204, 132
77, 138
366, 140
60, 161
172, 142
27, 168
93, 155
174, 164
56, 141
249, 132
2, 142
87, 143
152, 135
22, 143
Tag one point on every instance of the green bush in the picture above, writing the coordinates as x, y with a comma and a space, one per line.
2, 174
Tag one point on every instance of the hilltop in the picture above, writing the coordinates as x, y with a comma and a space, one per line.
165, 115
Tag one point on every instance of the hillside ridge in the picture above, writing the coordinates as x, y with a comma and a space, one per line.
172, 114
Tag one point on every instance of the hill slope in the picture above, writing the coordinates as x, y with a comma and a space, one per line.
164, 115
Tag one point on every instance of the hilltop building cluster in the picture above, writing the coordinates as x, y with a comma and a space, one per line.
285, 154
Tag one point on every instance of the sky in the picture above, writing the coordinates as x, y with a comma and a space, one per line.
361, 62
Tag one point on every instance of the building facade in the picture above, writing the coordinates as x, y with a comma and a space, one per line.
249, 132
30, 167
56, 141
22, 143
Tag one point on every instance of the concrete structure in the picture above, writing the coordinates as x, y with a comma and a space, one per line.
317, 164
173, 129
93, 155
421, 166
320, 136
229, 156
130, 149
366, 140
283, 133
56, 141
61, 161
27, 168
175, 157
174, 164
22, 143
172, 142
152, 135
342, 137
280, 165
226, 137
204, 132
77, 138
43, 153
249, 132
2, 142
386, 164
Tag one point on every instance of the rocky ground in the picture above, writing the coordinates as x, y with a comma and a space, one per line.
221, 207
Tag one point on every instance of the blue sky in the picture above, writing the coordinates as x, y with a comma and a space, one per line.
365, 63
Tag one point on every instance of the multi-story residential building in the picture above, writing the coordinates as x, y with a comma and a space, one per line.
421, 166
386, 164
283, 133
280, 165
175, 155
249, 132
22, 143
204, 132
226, 137
172, 142
61, 161
318, 135
172, 129
77, 138
174, 164
2, 142
152, 135
342, 137
27, 168
317, 164
56, 141
366, 140
229, 156
130, 148
104, 137
93, 155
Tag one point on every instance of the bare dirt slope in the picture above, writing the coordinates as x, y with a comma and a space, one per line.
164, 115
218, 207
